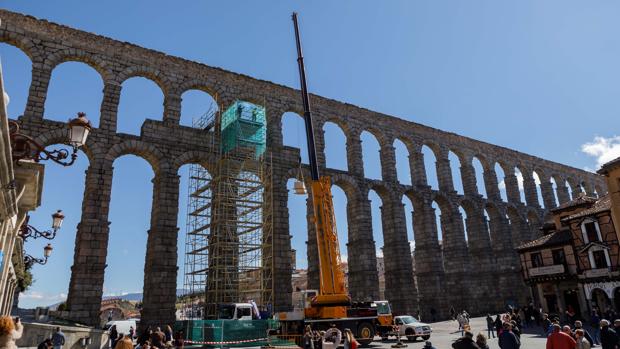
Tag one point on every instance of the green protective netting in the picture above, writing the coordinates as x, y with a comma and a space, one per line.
253, 331
244, 125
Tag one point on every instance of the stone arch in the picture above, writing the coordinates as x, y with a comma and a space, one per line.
517, 221
401, 157
294, 131
457, 180
348, 184
26, 45
17, 71
148, 73
335, 139
144, 150
77, 55
430, 152
479, 169
518, 173
342, 124
199, 84
205, 160
189, 99
501, 180
371, 161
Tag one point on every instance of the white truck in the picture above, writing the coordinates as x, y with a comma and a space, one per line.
408, 326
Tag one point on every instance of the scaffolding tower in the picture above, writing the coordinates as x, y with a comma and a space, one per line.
228, 251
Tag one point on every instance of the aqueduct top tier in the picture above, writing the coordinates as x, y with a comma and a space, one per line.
167, 145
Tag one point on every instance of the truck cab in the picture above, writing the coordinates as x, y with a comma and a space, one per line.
236, 311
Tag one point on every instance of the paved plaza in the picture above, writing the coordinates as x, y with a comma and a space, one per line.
445, 333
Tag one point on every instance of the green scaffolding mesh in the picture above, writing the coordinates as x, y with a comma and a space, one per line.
244, 125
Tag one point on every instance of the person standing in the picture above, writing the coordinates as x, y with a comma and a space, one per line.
349, 340
113, 336
586, 334
609, 338
559, 340
168, 335
132, 333
308, 338
582, 342
124, 343
58, 339
452, 313
507, 339
10, 331
157, 338
595, 322
490, 326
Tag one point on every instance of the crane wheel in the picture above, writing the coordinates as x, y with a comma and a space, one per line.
365, 333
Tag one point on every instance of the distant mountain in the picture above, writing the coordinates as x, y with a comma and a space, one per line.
130, 297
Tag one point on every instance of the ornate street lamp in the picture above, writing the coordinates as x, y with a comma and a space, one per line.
25, 147
29, 260
28, 231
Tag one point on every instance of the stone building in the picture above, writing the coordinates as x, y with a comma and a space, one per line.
20, 192
576, 265
486, 253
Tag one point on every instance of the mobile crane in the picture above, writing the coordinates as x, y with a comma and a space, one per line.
330, 305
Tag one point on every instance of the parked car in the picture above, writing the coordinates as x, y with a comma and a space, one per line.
410, 327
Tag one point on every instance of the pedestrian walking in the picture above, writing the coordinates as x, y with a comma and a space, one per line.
498, 324
507, 339
10, 331
609, 338
582, 342
490, 326
58, 339
559, 339
465, 342
452, 313
481, 341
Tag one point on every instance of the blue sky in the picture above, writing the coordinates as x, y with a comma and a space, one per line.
539, 77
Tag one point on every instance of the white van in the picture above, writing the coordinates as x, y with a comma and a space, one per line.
122, 326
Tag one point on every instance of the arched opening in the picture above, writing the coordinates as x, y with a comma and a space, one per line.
16, 74
195, 197
63, 189
74, 87
408, 206
377, 227
479, 171
335, 147
140, 99
455, 168
499, 172
298, 224
487, 220
339, 198
519, 176
403, 171
130, 217
569, 188
464, 222
541, 201
294, 134
371, 155
430, 162
437, 211
600, 300
554, 187
198, 109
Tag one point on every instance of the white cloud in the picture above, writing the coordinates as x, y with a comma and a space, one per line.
31, 299
603, 149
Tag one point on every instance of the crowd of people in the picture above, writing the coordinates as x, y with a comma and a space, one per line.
329, 339
149, 339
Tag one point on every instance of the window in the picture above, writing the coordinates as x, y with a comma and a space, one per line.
558, 257
536, 260
600, 261
590, 231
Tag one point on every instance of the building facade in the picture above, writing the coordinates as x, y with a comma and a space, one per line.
575, 265
20, 192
